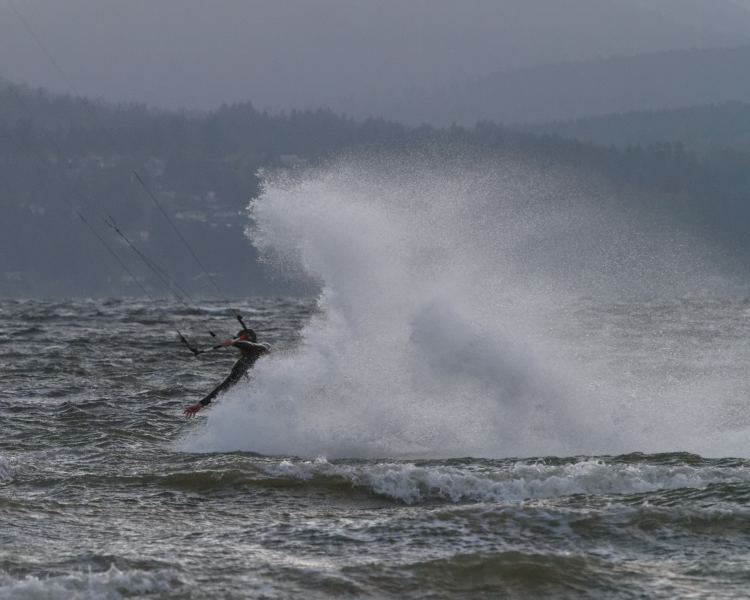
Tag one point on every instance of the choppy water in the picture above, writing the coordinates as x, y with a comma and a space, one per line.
101, 495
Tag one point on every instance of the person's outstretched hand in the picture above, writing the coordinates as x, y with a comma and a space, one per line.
192, 409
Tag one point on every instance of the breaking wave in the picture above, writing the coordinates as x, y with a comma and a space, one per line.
112, 584
414, 483
6, 471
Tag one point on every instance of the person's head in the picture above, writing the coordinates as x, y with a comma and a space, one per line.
247, 334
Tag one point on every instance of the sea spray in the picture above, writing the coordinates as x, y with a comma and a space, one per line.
442, 280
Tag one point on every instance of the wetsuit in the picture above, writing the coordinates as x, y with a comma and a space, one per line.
250, 353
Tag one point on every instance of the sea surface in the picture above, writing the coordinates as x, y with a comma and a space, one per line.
102, 495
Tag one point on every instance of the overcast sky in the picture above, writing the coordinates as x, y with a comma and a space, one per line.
302, 53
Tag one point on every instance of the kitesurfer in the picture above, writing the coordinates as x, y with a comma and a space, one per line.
247, 343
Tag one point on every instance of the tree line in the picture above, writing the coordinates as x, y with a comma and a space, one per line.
204, 167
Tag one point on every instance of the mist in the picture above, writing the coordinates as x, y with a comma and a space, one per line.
286, 55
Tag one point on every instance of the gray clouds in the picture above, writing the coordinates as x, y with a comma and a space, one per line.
342, 53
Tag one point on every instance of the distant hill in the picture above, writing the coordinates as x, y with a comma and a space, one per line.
703, 129
663, 80
57, 152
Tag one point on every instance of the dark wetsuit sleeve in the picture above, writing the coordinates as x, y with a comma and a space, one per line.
238, 370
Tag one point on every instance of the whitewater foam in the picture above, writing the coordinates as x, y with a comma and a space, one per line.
6, 470
112, 584
412, 484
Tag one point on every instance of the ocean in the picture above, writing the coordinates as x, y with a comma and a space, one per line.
509, 381
107, 491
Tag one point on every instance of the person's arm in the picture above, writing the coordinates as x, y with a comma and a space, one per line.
229, 380
190, 411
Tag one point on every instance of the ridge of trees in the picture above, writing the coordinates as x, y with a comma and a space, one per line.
705, 130
204, 165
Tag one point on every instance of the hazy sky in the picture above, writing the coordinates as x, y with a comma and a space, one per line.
282, 53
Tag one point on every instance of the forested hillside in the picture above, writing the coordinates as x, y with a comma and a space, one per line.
58, 152
570, 90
